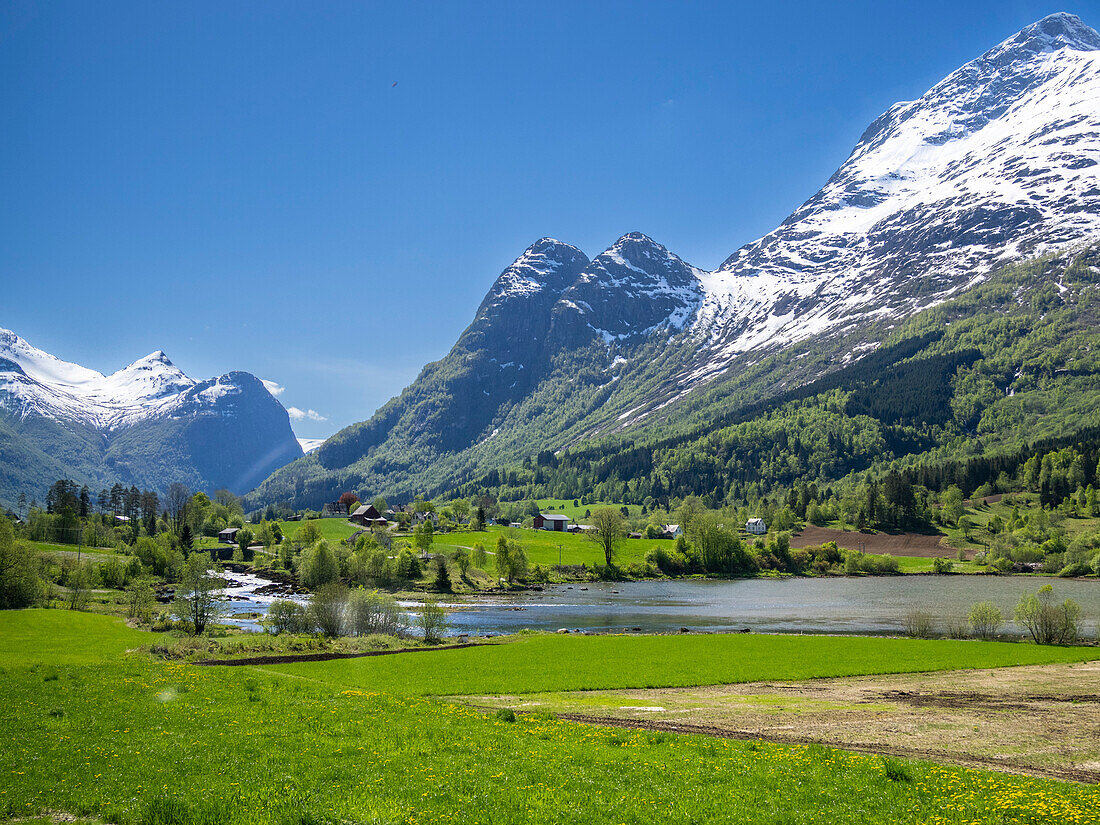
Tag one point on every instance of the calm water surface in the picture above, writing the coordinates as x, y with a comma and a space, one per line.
837, 605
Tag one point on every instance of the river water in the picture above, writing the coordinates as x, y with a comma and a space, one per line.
827, 605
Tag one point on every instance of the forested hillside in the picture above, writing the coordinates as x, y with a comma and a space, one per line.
1007, 369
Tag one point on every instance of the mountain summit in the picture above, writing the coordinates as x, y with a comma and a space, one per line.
998, 162
147, 424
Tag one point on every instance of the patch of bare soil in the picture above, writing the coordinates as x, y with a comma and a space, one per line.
896, 544
1037, 720
291, 658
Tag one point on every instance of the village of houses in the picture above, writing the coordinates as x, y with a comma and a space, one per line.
370, 519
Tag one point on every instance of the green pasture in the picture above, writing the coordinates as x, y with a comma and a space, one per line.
565, 506
122, 738
541, 546
332, 529
541, 663
63, 637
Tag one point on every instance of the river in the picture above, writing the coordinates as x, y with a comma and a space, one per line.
827, 605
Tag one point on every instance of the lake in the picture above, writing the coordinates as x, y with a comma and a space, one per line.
827, 605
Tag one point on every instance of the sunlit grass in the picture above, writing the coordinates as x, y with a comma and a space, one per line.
129, 740
550, 662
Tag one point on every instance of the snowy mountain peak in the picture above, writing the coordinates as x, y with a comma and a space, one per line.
546, 265
1053, 32
998, 161
148, 378
33, 382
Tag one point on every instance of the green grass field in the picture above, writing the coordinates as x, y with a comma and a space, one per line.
552, 663
121, 738
565, 506
332, 529
541, 546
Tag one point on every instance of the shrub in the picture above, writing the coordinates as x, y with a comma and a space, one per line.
505, 715
958, 629
942, 565
370, 612
20, 585
327, 608
285, 616
432, 621
1047, 622
918, 624
985, 620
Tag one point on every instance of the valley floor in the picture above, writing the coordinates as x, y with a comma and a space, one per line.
1038, 720
99, 730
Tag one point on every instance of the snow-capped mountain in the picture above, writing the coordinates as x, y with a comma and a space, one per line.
33, 382
148, 424
998, 162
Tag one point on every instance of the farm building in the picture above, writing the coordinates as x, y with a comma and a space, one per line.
756, 526
552, 521
673, 531
228, 535
366, 515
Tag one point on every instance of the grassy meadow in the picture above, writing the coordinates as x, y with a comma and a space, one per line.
540, 663
541, 546
111, 736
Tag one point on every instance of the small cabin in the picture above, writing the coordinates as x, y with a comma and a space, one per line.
756, 527
228, 535
554, 522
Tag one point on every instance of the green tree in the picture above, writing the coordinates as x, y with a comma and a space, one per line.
608, 531
953, 504
985, 620
442, 575
479, 558
20, 584
1048, 623
309, 533
327, 608
187, 541
424, 535
140, 601
197, 599
432, 621
461, 558
319, 566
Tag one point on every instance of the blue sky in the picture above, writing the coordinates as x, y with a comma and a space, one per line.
243, 186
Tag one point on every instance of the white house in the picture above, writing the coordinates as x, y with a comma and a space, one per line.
673, 531
756, 526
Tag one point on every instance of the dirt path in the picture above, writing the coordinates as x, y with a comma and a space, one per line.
1036, 720
896, 544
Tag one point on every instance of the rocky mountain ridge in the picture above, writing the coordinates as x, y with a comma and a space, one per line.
147, 424
999, 162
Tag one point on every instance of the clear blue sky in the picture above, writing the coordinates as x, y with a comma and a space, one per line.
242, 185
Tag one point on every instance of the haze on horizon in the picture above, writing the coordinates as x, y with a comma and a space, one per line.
322, 198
